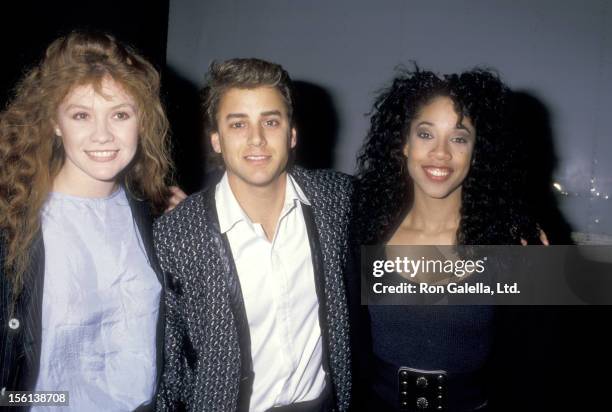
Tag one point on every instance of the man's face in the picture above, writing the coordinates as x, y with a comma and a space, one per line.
254, 135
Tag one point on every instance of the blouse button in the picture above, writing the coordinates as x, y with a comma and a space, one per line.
14, 323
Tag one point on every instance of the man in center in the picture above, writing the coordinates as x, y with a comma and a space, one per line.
257, 316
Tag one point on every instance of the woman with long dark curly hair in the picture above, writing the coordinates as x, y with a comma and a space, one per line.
439, 166
84, 163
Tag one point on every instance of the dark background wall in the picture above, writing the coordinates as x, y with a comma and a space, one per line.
558, 54
29, 26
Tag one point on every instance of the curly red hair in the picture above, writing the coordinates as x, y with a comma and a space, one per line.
31, 155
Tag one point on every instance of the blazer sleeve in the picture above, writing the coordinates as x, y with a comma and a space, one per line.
171, 393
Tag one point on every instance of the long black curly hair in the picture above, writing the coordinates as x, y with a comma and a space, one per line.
492, 210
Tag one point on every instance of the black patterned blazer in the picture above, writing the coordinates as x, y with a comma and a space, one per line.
208, 365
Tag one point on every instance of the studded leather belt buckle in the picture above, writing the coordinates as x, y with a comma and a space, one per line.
422, 390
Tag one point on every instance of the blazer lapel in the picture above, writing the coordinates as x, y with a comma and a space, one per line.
319, 274
236, 300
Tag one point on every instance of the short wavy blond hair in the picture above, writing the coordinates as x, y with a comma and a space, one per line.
31, 155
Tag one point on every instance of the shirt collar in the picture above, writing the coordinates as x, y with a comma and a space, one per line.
294, 192
229, 211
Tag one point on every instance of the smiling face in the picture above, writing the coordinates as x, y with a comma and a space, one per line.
438, 150
99, 134
254, 136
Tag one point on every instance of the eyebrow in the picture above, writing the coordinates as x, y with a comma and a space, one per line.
459, 126
425, 123
77, 106
130, 105
80, 106
236, 116
243, 115
271, 113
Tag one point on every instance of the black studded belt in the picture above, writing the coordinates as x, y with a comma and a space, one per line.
422, 390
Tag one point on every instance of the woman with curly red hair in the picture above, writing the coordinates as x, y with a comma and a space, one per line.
84, 164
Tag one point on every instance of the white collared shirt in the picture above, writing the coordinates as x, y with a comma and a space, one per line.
278, 288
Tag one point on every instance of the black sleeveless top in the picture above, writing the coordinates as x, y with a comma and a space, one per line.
456, 339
